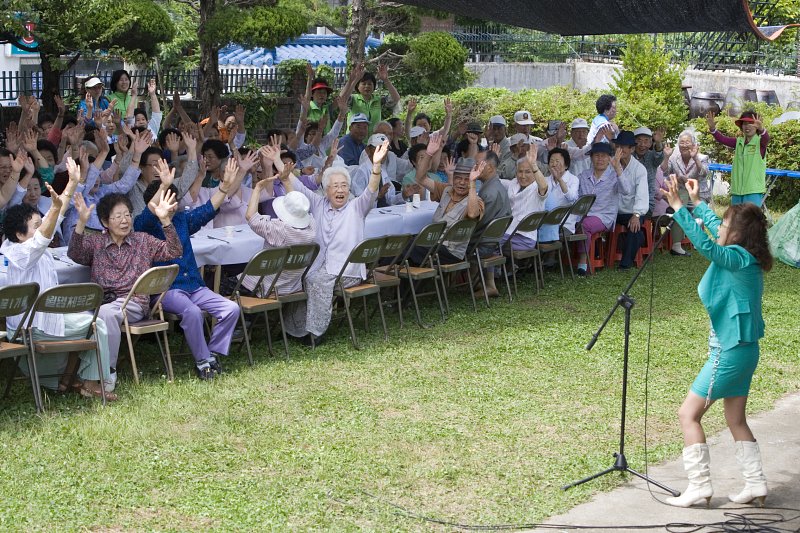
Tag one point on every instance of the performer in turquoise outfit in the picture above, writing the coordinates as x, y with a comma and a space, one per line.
731, 291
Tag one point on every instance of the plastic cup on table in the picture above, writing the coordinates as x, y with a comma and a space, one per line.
416, 201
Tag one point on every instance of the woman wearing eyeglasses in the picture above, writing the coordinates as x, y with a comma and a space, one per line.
119, 255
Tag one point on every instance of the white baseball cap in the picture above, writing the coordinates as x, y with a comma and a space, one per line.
293, 209
498, 119
517, 137
92, 82
523, 118
416, 131
642, 131
358, 118
579, 123
377, 139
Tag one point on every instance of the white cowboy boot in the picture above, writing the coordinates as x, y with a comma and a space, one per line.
755, 483
696, 461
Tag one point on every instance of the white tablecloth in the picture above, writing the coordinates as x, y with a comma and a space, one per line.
237, 244
396, 220
231, 245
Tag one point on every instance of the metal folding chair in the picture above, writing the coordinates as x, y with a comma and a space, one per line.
264, 263
458, 233
365, 253
580, 209
17, 300
491, 237
65, 299
386, 276
156, 280
301, 257
428, 237
531, 222
556, 217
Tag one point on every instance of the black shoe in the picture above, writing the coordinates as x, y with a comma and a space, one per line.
205, 373
306, 340
684, 254
621, 268
216, 368
581, 273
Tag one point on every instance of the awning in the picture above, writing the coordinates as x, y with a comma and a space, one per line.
593, 17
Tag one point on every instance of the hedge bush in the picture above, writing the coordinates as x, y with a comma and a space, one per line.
565, 103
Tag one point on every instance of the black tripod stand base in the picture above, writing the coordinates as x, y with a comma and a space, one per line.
621, 465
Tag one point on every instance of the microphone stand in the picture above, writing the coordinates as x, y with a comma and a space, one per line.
624, 300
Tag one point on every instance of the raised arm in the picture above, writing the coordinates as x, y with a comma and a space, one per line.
255, 198
421, 176
474, 203
727, 257
383, 75
448, 118
541, 180
411, 106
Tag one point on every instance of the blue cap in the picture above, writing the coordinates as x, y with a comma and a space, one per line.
625, 138
601, 148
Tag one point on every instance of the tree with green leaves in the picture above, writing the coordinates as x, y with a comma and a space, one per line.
249, 23
649, 86
361, 18
67, 29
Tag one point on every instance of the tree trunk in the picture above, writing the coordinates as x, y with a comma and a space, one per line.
51, 81
356, 31
208, 83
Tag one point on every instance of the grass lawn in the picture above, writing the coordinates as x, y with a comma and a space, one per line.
480, 419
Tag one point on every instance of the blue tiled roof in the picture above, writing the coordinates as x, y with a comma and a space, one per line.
316, 49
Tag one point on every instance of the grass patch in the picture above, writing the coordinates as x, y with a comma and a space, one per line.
480, 419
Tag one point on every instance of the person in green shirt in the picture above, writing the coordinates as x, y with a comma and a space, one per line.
364, 100
318, 94
748, 172
319, 105
124, 91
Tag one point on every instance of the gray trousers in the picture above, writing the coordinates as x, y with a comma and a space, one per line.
111, 313
314, 316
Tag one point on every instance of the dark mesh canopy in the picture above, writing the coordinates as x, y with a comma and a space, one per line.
592, 17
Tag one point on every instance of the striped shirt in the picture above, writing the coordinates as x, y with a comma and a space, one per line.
277, 233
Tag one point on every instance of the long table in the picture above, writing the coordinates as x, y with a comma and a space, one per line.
234, 245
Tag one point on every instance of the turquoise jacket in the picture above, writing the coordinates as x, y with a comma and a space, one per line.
732, 287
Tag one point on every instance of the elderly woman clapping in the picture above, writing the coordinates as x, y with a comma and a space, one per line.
340, 227
686, 163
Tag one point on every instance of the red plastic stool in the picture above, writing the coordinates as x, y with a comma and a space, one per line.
596, 249
614, 254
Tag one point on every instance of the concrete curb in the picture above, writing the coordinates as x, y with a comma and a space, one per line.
778, 434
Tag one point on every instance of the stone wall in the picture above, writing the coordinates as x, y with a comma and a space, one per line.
588, 76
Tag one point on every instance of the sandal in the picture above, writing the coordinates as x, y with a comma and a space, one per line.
65, 388
88, 391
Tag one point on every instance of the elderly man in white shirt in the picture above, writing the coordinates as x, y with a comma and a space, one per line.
28, 236
633, 205
360, 176
527, 193
578, 147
